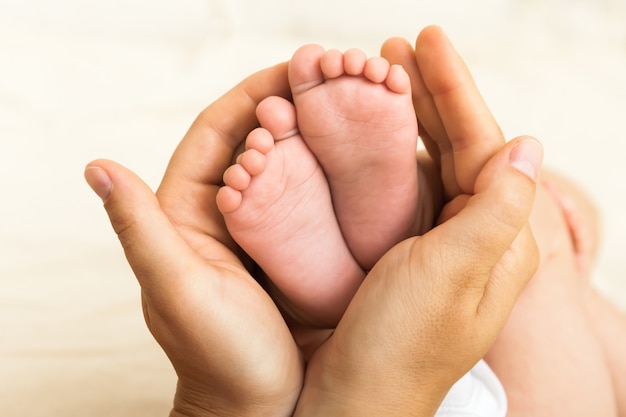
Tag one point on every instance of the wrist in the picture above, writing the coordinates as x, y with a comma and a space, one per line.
343, 388
191, 401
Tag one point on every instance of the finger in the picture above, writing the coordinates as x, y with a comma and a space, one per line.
483, 231
516, 267
190, 184
399, 51
431, 129
155, 251
472, 131
207, 148
191, 306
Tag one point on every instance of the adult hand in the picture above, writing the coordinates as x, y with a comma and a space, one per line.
455, 123
433, 305
228, 343
202, 305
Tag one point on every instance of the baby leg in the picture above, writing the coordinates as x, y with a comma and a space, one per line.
548, 356
609, 323
581, 216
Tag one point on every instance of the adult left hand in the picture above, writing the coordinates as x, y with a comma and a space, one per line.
230, 347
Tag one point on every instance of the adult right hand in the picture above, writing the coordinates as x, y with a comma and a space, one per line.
433, 305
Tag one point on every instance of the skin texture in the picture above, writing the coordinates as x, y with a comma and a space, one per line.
358, 128
404, 338
557, 353
294, 186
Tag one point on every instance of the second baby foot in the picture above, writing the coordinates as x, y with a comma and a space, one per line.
277, 206
357, 117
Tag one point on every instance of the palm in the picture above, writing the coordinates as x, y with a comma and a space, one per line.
216, 296
234, 307
222, 332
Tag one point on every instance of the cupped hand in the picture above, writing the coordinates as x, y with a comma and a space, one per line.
425, 313
433, 305
227, 341
455, 123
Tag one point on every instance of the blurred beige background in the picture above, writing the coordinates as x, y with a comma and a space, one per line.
123, 80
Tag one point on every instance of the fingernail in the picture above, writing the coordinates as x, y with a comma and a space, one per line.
99, 181
526, 157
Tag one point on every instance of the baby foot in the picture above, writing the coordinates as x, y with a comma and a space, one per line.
277, 206
356, 115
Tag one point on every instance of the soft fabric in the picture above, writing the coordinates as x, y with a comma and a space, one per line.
478, 393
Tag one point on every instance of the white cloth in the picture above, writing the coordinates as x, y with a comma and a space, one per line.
478, 393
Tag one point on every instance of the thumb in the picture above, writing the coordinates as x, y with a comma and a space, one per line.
153, 247
489, 237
